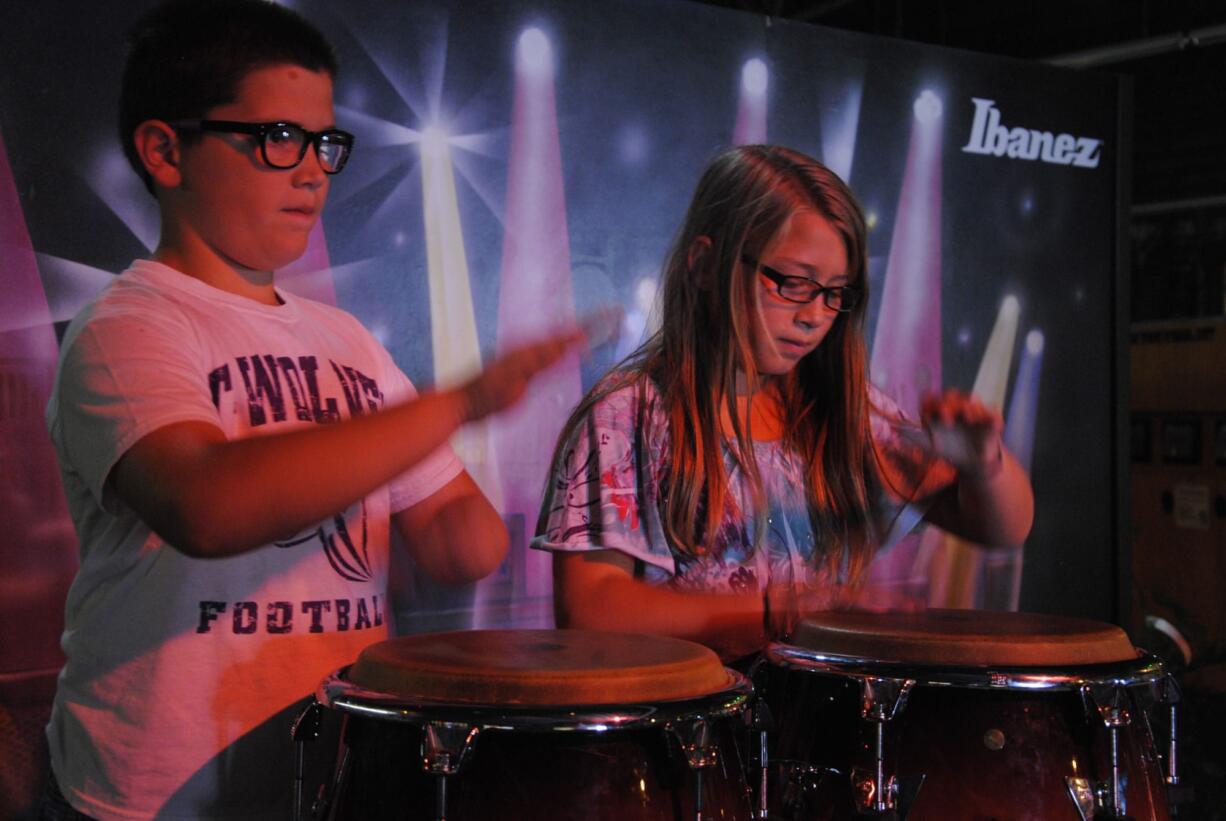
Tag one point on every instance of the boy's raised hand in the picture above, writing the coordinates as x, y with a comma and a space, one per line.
505, 380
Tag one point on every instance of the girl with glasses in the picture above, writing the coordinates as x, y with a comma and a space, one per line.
739, 468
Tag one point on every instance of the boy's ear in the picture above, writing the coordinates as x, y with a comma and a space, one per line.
157, 145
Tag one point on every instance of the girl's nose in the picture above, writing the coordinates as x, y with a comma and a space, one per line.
812, 313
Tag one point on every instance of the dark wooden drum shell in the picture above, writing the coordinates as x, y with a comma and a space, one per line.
560, 724
991, 741
626, 775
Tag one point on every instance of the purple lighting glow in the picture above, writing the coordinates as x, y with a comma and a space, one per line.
750, 125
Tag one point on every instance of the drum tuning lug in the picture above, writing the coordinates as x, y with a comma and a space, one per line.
445, 746
306, 728
697, 743
883, 698
761, 718
1109, 701
1170, 690
307, 724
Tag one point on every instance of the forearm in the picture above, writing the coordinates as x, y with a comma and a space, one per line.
463, 540
731, 624
248, 492
996, 507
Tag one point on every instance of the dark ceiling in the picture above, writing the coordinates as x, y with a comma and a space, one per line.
1174, 51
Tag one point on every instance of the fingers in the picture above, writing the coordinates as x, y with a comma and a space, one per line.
965, 431
505, 380
954, 408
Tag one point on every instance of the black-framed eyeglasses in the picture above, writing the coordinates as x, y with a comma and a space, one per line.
282, 144
804, 290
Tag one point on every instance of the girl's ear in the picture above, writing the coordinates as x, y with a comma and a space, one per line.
699, 256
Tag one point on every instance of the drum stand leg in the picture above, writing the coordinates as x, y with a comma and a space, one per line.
306, 728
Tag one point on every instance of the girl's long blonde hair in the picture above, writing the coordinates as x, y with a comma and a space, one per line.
742, 202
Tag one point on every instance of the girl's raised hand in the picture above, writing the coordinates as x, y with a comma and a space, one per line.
965, 432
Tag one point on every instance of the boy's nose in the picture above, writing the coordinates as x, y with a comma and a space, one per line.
310, 173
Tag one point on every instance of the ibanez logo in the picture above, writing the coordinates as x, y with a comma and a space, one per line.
988, 136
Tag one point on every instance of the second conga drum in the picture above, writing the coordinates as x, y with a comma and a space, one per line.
952, 715
532, 724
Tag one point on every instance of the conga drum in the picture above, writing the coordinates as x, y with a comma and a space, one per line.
951, 715
533, 724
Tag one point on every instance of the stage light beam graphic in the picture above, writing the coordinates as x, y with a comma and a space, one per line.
453, 327
1004, 567
906, 357
839, 120
535, 294
750, 127
906, 352
955, 566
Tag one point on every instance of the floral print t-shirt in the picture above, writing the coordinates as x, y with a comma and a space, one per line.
605, 493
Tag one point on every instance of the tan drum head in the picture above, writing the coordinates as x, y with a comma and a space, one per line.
965, 637
539, 668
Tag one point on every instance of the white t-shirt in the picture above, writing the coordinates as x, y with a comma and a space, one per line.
183, 674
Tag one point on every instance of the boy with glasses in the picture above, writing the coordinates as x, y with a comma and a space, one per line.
234, 455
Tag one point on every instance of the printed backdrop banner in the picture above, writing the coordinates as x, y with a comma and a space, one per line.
518, 165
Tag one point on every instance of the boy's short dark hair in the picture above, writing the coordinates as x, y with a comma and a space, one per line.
188, 56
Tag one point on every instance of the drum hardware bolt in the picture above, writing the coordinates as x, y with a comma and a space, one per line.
881, 699
1110, 701
873, 794
763, 804
893, 799
1167, 693
760, 717
1172, 758
994, 740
